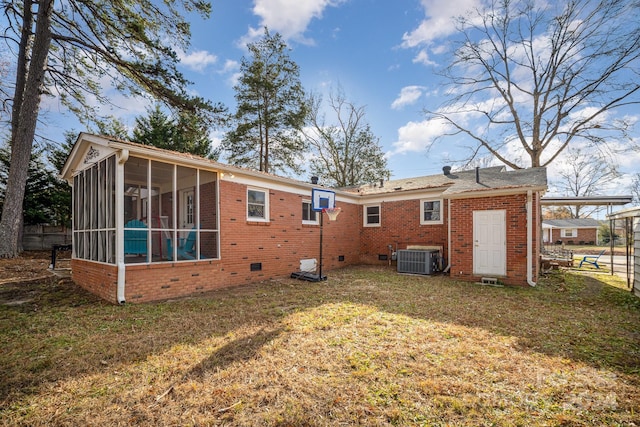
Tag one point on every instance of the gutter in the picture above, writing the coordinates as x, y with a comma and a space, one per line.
446, 269
529, 239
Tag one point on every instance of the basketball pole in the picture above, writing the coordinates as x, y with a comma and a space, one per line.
320, 266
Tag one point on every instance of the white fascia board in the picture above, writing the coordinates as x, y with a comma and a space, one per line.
493, 193
400, 196
259, 180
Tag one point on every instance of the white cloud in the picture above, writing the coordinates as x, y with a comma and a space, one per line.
231, 68
437, 24
234, 79
197, 60
423, 58
216, 137
290, 18
418, 136
408, 95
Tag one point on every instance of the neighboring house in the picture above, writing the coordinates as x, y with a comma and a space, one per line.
570, 231
151, 224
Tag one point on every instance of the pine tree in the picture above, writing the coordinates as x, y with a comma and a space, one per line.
271, 110
47, 199
186, 133
156, 128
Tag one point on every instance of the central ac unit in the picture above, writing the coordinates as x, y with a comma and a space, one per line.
418, 261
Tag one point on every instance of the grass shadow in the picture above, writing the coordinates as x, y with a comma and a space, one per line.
239, 350
64, 332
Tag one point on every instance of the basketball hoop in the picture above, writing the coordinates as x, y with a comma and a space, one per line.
332, 213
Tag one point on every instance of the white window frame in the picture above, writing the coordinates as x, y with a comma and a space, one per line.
265, 218
574, 232
365, 216
422, 211
316, 214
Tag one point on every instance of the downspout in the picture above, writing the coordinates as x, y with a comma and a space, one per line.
530, 239
123, 156
446, 269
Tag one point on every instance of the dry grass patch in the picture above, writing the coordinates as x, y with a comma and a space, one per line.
367, 347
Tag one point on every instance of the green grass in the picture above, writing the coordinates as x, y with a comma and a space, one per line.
367, 347
595, 250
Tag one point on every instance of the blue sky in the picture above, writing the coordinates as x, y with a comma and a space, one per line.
381, 52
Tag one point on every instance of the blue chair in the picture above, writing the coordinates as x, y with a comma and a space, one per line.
592, 259
186, 248
135, 241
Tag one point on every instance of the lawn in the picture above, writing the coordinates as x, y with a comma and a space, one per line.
595, 250
592, 249
367, 347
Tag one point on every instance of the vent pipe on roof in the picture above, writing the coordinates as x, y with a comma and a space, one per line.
446, 170
477, 175
314, 180
381, 182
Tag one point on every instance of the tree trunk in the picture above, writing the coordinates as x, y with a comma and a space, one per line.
25, 111
266, 149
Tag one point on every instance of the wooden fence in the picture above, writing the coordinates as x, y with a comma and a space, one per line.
43, 237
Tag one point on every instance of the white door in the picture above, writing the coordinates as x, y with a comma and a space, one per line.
187, 220
489, 243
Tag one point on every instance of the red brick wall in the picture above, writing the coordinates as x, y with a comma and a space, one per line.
278, 245
281, 243
99, 279
399, 226
586, 235
516, 233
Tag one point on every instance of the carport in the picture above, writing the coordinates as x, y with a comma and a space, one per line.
609, 202
631, 219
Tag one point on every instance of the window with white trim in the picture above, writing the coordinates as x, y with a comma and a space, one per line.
257, 205
568, 232
371, 216
309, 216
431, 211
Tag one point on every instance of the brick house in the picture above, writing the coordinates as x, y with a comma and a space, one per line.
151, 224
570, 231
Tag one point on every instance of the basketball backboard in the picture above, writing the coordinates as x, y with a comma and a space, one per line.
322, 199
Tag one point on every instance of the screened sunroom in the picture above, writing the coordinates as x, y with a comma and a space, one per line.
133, 209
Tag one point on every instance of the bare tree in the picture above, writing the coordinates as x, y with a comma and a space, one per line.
635, 188
584, 174
347, 152
556, 212
534, 77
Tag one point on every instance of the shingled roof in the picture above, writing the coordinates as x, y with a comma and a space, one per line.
465, 183
571, 223
462, 182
